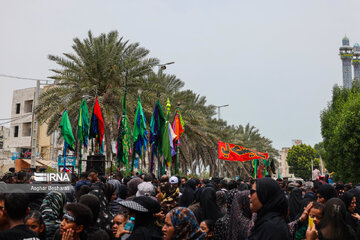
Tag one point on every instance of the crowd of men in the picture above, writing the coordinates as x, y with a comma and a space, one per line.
173, 207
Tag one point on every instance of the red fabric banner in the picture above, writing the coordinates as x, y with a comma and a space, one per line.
97, 112
232, 152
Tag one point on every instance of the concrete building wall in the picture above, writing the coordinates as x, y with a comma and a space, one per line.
5, 153
4, 138
19, 134
44, 142
284, 167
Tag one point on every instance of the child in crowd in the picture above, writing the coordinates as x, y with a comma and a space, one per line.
207, 226
316, 212
35, 223
119, 223
75, 221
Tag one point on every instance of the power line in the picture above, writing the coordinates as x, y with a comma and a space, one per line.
15, 119
10, 118
24, 78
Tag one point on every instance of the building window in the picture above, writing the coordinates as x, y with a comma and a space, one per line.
18, 108
28, 106
26, 129
16, 131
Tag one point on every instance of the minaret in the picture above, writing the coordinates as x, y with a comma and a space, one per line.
346, 56
356, 61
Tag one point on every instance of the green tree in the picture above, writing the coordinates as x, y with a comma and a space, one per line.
340, 129
299, 159
320, 150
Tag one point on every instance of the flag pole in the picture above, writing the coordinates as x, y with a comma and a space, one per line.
177, 144
123, 115
133, 156
80, 156
159, 167
64, 156
133, 153
176, 157
168, 107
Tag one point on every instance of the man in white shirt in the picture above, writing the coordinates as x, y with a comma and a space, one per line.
315, 174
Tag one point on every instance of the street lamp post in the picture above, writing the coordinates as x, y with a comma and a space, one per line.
218, 107
162, 67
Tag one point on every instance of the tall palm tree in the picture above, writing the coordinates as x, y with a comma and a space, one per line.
98, 68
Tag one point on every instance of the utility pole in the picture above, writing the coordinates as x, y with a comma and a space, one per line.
312, 166
34, 130
52, 147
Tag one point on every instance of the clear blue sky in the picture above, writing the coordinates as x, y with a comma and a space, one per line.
273, 62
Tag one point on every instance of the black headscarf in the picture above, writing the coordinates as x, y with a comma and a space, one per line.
222, 224
243, 187
93, 203
144, 221
295, 203
132, 186
356, 192
327, 191
123, 191
333, 225
188, 194
240, 216
221, 201
109, 190
212, 185
271, 196
105, 216
347, 198
208, 208
270, 222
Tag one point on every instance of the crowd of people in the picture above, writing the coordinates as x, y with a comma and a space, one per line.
173, 207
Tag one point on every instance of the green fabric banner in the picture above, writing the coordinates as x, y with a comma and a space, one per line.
66, 130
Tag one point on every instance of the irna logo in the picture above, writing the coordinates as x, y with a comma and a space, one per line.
51, 177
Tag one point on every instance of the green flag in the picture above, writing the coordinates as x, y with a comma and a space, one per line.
66, 130
139, 132
255, 165
83, 124
123, 140
166, 148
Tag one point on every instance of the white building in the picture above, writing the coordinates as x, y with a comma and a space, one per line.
21, 132
283, 165
20, 127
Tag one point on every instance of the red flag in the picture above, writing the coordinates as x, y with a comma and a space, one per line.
232, 152
97, 113
259, 174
